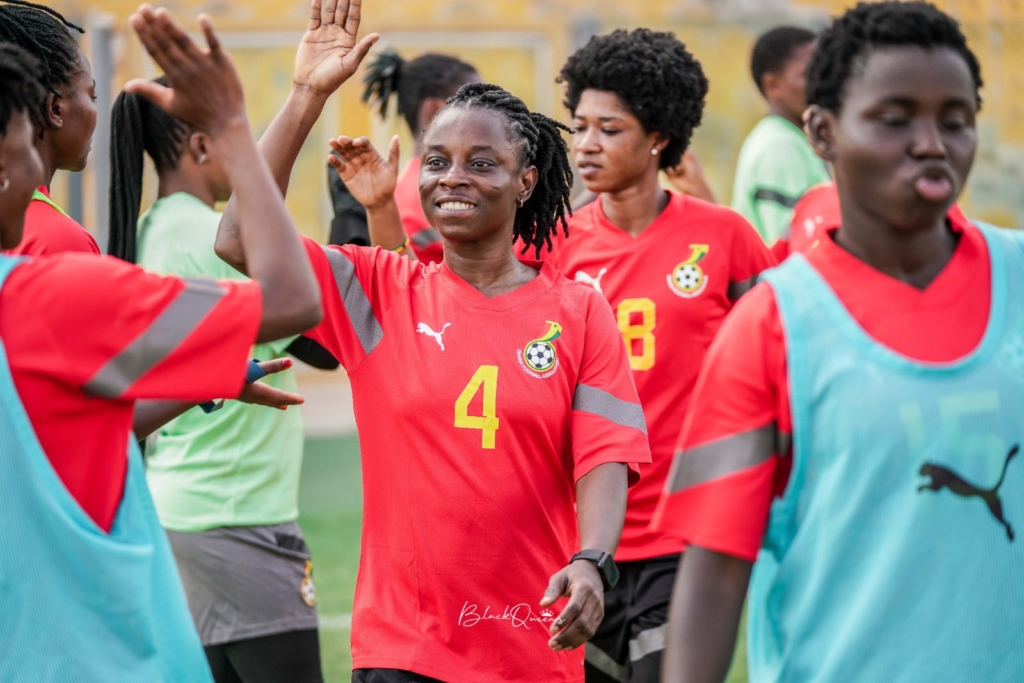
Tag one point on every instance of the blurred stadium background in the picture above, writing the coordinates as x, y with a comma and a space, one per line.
519, 44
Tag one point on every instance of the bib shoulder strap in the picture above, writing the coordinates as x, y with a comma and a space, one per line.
40, 197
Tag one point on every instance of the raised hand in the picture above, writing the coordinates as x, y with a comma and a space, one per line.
369, 177
204, 87
329, 52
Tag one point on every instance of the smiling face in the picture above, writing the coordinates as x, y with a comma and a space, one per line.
904, 141
472, 175
72, 118
21, 172
610, 147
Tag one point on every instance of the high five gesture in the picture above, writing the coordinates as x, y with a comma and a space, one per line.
330, 51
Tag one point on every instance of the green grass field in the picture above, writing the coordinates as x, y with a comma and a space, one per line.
330, 501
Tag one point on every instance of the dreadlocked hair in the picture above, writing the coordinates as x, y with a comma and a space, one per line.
843, 47
412, 82
20, 90
45, 34
544, 148
137, 126
654, 76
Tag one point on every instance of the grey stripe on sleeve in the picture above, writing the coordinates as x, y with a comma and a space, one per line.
157, 342
357, 304
602, 661
599, 402
426, 237
723, 457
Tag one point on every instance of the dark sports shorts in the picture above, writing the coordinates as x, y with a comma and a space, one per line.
628, 645
389, 676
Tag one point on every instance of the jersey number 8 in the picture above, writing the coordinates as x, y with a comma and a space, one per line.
642, 331
488, 423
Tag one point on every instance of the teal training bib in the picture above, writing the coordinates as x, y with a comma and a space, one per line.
896, 553
78, 605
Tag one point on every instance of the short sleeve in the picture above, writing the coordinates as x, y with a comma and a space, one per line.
780, 180
358, 285
118, 332
608, 422
733, 452
749, 257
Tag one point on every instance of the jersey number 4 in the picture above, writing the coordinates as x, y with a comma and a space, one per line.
637, 318
486, 376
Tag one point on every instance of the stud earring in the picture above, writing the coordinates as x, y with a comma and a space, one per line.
5, 184
201, 159
519, 202
654, 152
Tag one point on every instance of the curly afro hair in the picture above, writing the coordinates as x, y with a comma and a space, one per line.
843, 46
653, 74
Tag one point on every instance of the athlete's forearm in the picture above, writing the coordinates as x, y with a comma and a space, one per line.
385, 226
704, 616
280, 146
601, 506
152, 415
270, 245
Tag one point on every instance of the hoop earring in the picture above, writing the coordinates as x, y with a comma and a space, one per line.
519, 202
4, 185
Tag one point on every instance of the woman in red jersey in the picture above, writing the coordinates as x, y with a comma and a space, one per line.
420, 86
93, 569
66, 123
671, 266
497, 417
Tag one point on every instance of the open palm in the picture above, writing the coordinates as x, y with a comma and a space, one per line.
330, 51
368, 176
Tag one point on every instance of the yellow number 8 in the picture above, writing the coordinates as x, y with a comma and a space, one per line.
488, 423
643, 330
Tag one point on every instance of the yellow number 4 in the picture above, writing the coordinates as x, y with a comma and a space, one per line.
488, 423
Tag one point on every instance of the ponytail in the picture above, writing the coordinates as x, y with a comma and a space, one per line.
383, 76
137, 127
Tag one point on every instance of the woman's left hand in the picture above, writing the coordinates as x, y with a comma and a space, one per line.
578, 622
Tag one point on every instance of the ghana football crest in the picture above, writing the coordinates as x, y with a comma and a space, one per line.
539, 358
687, 279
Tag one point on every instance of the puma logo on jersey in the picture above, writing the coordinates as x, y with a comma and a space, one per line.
943, 477
423, 328
594, 282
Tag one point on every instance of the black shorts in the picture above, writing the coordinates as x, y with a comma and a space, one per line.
389, 676
628, 645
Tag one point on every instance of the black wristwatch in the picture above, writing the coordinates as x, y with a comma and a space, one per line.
605, 565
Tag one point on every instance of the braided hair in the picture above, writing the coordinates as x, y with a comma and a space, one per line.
543, 147
45, 34
137, 126
843, 46
20, 90
655, 77
412, 82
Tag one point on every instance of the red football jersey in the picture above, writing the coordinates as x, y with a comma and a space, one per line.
476, 418
426, 242
816, 213
742, 395
670, 288
86, 336
49, 232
